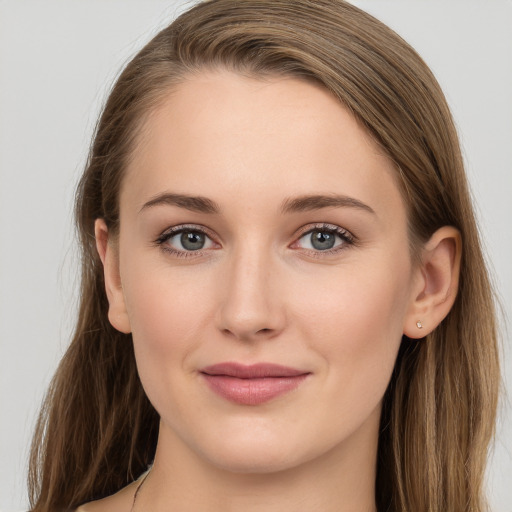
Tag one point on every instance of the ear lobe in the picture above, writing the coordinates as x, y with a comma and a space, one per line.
438, 279
117, 313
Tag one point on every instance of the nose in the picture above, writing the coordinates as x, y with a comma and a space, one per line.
251, 306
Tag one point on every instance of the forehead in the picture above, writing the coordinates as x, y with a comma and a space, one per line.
234, 138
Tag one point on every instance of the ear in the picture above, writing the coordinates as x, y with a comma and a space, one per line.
108, 253
436, 284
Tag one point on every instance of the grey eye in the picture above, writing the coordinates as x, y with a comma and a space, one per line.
192, 240
189, 240
322, 240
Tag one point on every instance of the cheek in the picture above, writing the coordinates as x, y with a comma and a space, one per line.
167, 313
356, 325
167, 316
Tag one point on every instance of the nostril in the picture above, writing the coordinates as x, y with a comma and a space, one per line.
247, 334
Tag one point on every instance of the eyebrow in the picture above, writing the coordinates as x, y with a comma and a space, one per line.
193, 203
304, 203
317, 202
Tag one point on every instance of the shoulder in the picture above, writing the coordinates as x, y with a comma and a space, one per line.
121, 501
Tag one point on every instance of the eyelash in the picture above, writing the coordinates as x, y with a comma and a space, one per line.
347, 239
176, 230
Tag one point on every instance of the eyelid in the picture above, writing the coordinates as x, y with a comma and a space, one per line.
347, 237
175, 230
319, 226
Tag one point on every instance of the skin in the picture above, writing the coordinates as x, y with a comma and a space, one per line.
260, 292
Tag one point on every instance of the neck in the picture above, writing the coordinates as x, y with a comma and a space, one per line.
340, 480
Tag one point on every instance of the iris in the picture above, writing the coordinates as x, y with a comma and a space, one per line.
192, 240
322, 240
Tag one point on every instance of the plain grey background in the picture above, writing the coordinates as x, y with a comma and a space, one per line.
58, 59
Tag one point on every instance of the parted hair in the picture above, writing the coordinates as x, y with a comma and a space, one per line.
97, 431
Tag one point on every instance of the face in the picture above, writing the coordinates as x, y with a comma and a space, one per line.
260, 225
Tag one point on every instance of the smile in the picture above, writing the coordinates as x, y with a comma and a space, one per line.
254, 384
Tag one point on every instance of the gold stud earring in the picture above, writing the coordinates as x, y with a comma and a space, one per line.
419, 325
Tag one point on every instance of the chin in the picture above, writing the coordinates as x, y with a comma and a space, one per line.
253, 455
255, 464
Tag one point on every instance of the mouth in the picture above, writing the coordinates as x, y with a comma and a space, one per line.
254, 384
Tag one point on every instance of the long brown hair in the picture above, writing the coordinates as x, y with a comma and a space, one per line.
97, 430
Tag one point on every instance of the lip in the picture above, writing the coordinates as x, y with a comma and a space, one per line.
252, 384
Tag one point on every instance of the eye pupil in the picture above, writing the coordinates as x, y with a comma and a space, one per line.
322, 240
192, 240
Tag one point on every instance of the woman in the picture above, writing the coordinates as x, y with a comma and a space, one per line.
284, 301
